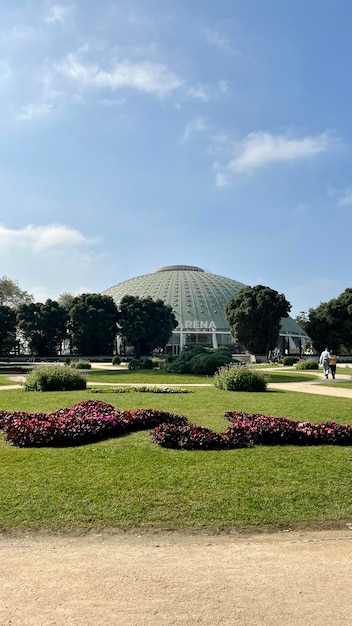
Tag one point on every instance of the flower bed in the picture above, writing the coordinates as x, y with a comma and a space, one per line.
93, 420
248, 430
280, 430
81, 423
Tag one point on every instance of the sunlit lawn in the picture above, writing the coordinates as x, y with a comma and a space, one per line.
129, 482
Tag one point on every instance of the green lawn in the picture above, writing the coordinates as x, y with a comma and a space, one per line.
4, 380
152, 377
128, 482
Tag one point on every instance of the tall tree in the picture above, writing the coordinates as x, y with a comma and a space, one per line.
302, 319
254, 317
330, 324
7, 329
92, 324
11, 294
145, 323
43, 326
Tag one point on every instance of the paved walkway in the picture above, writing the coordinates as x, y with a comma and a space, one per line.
310, 386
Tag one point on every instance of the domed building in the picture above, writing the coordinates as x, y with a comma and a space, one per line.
198, 299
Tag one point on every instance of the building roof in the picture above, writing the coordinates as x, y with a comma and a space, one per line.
194, 294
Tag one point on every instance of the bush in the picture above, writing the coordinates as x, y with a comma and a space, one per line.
116, 360
287, 360
310, 364
55, 379
141, 364
81, 365
198, 360
234, 378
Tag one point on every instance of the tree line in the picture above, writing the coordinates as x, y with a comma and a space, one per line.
330, 324
87, 323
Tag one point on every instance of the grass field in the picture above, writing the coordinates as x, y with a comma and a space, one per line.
129, 482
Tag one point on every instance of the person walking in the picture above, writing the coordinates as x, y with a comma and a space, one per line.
332, 363
325, 361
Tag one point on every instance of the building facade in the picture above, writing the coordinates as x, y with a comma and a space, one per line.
198, 299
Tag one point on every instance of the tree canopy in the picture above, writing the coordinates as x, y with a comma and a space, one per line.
42, 326
145, 323
92, 324
7, 329
254, 316
330, 324
11, 295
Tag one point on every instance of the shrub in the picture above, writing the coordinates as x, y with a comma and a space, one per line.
310, 364
81, 365
54, 379
67, 360
198, 360
116, 360
287, 360
141, 364
234, 378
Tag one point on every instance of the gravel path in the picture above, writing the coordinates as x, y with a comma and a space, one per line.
160, 578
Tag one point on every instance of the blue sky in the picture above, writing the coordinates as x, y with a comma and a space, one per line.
140, 134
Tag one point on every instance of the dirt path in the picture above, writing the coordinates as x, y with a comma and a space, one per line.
132, 579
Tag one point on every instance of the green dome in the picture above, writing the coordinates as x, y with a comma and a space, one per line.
197, 297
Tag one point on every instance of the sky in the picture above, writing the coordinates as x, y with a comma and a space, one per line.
140, 134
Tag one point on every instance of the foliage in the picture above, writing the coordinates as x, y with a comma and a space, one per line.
248, 430
196, 437
198, 360
82, 423
141, 389
11, 295
7, 329
145, 324
234, 378
43, 326
92, 324
283, 431
302, 320
254, 317
141, 364
54, 379
330, 324
287, 360
93, 420
81, 365
309, 364
116, 360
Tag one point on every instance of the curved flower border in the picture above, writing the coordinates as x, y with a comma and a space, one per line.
93, 420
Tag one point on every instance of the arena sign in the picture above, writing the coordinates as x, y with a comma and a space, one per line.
197, 325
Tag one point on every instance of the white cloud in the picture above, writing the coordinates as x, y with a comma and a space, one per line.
6, 72
224, 86
34, 111
149, 77
41, 239
217, 39
263, 148
346, 198
57, 13
196, 125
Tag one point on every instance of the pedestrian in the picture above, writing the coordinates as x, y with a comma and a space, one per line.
332, 363
324, 361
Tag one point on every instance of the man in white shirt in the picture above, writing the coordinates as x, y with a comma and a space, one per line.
324, 361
